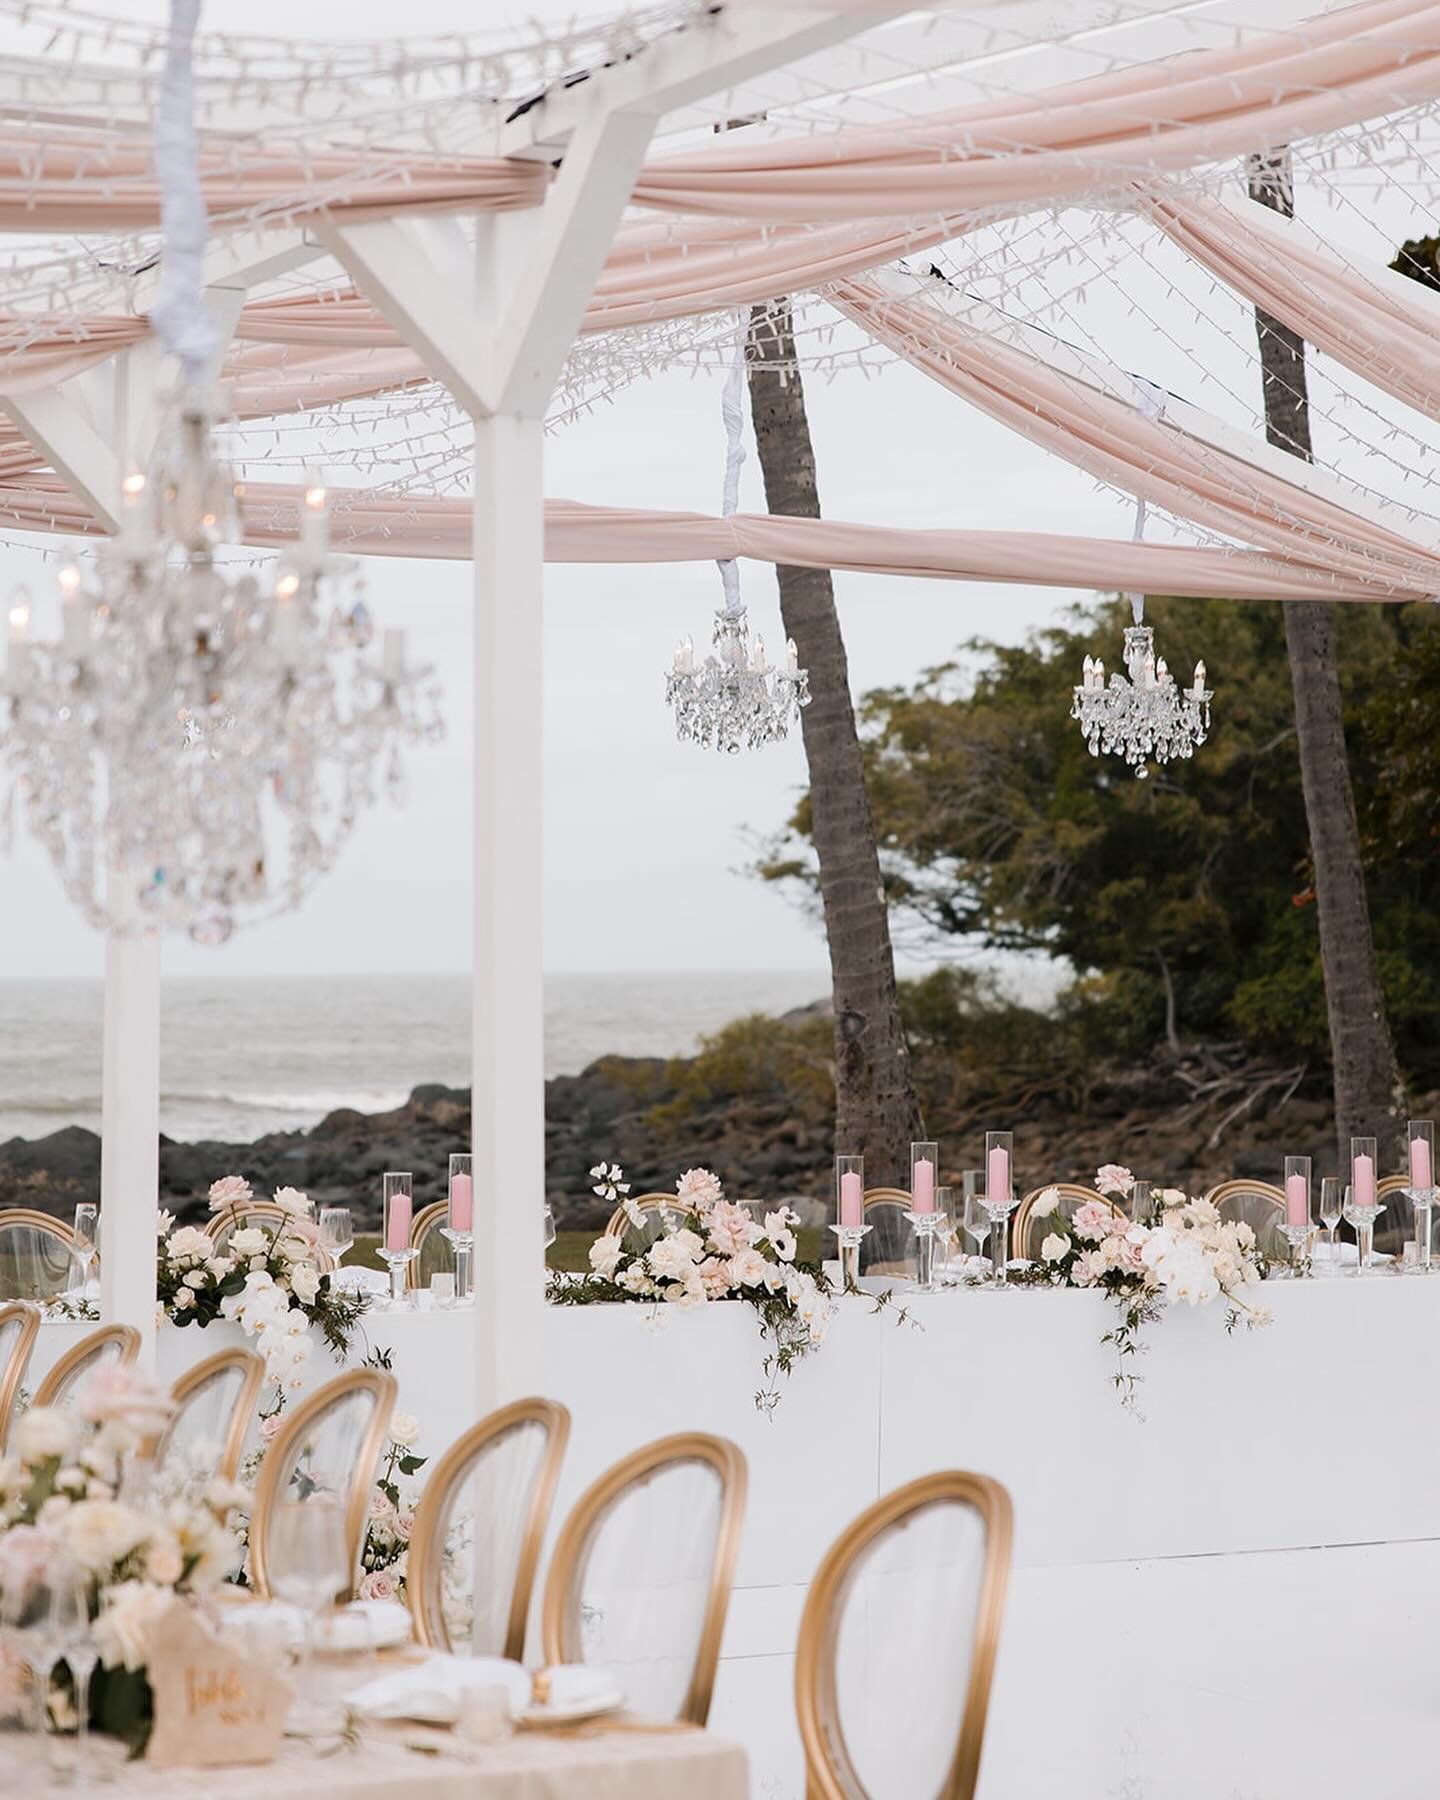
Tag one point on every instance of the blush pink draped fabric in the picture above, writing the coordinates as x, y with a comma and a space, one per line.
433, 526
1271, 88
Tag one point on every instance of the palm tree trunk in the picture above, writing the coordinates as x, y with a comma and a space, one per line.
1369, 1094
876, 1110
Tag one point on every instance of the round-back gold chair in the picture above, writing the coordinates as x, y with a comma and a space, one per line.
916, 1582
640, 1577
262, 1215
662, 1213
888, 1248
330, 1443
436, 1254
1029, 1229
19, 1327
214, 1404
111, 1343
1261, 1204
1396, 1226
479, 1527
37, 1255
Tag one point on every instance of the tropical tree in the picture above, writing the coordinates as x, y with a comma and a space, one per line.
876, 1110
1369, 1096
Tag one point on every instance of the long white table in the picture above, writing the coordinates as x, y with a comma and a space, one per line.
1256, 1451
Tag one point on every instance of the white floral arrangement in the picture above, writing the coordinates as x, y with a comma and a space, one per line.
264, 1277
1190, 1257
710, 1249
65, 1501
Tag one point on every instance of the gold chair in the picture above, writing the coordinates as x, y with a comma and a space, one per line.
330, 1441
19, 1327
917, 1581
120, 1343
888, 1247
435, 1252
1072, 1197
505, 1469
1396, 1225
36, 1255
640, 1577
659, 1210
214, 1404
1261, 1205
263, 1215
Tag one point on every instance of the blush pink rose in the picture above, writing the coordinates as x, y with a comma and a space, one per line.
379, 1584
730, 1228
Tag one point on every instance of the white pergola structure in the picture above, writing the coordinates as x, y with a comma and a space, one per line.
493, 320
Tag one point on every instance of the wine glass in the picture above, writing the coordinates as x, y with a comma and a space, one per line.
977, 1215
1331, 1212
68, 1631
83, 1246
337, 1233
308, 1568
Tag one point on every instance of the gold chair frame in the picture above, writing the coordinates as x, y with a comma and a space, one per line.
1227, 1190
13, 1374
427, 1541
560, 1621
77, 1360
619, 1222
1067, 1190
46, 1222
264, 1213
384, 1388
1391, 1184
428, 1219
878, 1197
233, 1445
827, 1778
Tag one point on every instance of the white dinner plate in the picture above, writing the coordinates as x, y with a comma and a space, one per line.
603, 1698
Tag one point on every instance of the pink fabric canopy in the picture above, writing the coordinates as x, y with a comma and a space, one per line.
435, 526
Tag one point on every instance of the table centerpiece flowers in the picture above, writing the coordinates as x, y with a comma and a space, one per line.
710, 1249
264, 1277
77, 1496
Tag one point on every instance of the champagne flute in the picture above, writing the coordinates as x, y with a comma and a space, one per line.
1331, 1212
68, 1630
337, 1233
306, 1554
977, 1217
87, 1222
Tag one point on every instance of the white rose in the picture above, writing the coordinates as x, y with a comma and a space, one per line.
1045, 1204
249, 1241
672, 1256
43, 1432
747, 1268
127, 1617
292, 1201
97, 1534
189, 1244
1055, 1247
196, 1279
220, 1266
605, 1253
305, 1284
404, 1430
185, 1298
635, 1279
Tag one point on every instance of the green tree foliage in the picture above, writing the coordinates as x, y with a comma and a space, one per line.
1183, 901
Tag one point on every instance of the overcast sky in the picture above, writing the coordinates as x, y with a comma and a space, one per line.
647, 840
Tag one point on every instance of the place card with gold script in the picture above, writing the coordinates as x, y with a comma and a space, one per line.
212, 1705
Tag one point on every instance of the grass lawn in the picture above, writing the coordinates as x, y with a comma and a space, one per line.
571, 1250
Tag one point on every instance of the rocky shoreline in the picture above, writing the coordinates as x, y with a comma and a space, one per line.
766, 1132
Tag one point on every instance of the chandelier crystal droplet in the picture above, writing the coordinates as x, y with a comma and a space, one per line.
735, 697
1148, 717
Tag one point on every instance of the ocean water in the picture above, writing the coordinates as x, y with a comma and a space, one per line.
248, 1055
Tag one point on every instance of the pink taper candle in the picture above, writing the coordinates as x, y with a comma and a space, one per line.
997, 1175
1297, 1200
462, 1203
397, 1222
922, 1186
1421, 1176
1362, 1178
852, 1200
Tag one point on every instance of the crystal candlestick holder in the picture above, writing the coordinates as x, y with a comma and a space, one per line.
1423, 1200
1298, 1238
1363, 1219
397, 1213
459, 1226
1000, 1211
1422, 1190
851, 1237
928, 1226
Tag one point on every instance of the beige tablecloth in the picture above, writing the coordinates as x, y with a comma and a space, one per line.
614, 1765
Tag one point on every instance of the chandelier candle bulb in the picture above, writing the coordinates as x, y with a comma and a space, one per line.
792, 656
315, 521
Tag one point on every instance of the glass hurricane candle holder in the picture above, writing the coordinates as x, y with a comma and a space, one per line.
1363, 1190
1422, 1190
849, 1226
1298, 1226
1363, 1219
396, 1251
924, 1161
459, 1226
999, 1199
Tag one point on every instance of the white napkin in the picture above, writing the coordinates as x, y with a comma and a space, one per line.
363, 1625
576, 1684
360, 1281
433, 1691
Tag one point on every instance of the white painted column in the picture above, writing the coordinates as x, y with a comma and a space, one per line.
130, 1132
508, 1030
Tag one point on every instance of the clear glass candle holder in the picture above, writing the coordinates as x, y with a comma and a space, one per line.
398, 1212
84, 1241
1298, 1226
1363, 1219
923, 1217
999, 1199
849, 1226
459, 1226
1420, 1165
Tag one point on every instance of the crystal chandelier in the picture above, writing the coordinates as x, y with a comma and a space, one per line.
194, 750
735, 696
1147, 716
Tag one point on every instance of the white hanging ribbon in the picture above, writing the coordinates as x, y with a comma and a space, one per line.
732, 408
179, 315
1150, 401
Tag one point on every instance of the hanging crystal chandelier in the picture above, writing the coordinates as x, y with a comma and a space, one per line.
1147, 716
735, 696
194, 749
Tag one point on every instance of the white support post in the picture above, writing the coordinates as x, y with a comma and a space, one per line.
130, 1134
